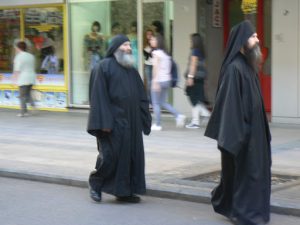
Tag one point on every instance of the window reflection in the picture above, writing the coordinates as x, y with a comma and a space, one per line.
44, 29
9, 34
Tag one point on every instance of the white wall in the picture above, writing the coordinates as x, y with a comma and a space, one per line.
285, 61
27, 2
185, 23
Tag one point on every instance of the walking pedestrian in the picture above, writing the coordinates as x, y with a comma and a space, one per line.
240, 126
119, 113
148, 60
161, 83
195, 79
24, 76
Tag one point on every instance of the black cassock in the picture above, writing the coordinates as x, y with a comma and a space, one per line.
240, 126
118, 102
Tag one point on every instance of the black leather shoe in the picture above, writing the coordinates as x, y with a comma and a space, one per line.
129, 199
94, 195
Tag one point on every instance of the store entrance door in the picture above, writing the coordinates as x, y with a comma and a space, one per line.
259, 13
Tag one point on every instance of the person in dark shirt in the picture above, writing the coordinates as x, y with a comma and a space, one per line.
195, 79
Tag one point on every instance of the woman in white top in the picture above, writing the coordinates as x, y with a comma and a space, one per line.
161, 82
24, 75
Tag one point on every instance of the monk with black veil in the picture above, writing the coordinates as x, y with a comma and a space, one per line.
240, 126
119, 115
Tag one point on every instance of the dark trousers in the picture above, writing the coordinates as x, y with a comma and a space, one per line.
148, 73
25, 97
196, 92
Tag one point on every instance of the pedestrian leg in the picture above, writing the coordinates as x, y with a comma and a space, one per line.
203, 110
22, 97
155, 96
180, 119
204, 113
196, 115
163, 99
30, 99
148, 73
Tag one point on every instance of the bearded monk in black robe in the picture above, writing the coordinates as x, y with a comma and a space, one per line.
119, 114
240, 126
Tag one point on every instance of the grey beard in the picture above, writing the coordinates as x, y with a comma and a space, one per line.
124, 59
254, 56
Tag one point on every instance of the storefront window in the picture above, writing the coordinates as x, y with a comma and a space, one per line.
9, 32
92, 25
43, 31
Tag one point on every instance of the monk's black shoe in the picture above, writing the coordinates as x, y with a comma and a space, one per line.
236, 221
94, 195
129, 199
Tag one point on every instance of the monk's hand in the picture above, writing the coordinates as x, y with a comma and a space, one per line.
106, 130
190, 82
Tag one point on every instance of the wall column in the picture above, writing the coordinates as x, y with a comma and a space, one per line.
285, 61
185, 23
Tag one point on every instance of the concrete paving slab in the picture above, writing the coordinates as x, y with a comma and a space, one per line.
55, 147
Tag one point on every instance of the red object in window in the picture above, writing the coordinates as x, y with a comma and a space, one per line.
265, 79
38, 42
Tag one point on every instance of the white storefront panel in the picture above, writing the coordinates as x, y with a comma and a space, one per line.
28, 2
285, 61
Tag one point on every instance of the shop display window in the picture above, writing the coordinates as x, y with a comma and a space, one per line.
9, 33
92, 25
42, 28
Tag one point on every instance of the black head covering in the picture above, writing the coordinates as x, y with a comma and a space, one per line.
238, 37
115, 43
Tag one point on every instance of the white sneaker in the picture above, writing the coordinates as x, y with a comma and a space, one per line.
155, 127
180, 120
23, 114
20, 115
192, 126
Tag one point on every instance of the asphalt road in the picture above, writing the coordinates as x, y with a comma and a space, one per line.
33, 203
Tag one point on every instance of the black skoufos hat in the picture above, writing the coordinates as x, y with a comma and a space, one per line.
115, 43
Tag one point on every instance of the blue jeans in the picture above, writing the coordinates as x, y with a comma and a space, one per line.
95, 58
159, 99
148, 74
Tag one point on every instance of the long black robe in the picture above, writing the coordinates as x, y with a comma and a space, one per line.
118, 102
239, 124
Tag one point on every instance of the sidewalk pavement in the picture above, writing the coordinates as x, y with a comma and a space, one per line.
54, 147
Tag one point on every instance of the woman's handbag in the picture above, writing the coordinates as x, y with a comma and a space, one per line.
201, 73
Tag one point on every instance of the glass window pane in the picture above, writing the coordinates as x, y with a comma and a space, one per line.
44, 29
9, 33
93, 24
